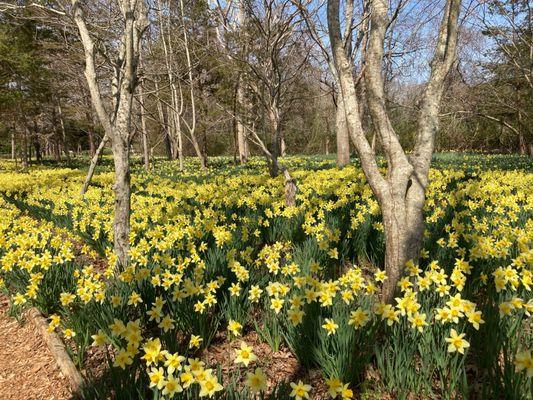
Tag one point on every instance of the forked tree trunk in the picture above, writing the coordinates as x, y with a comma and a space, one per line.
192, 127
272, 161
401, 193
342, 136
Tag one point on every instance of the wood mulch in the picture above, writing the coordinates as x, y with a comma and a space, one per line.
27, 369
280, 366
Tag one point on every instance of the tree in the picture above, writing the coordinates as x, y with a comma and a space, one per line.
312, 20
24, 84
401, 192
231, 21
117, 123
508, 91
277, 53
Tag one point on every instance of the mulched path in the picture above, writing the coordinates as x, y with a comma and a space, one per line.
27, 369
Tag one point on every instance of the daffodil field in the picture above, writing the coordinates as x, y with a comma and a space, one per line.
217, 258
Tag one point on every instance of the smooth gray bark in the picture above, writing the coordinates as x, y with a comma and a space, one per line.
342, 136
401, 193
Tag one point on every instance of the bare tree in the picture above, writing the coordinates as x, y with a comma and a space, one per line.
117, 123
278, 52
351, 45
401, 192
231, 21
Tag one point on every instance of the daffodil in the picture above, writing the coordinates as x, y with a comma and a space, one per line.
234, 327
334, 387
359, 318
244, 355
99, 339
209, 386
173, 362
456, 342
330, 326
171, 386
524, 361
195, 341
157, 377
256, 381
122, 359
300, 390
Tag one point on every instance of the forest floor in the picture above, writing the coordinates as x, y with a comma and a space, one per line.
27, 369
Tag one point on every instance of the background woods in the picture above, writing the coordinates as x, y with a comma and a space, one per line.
214, 77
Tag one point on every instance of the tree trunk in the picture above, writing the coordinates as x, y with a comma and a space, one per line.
522, 144
117, 127
168, 145
57, 150
282, 145
275, 140
242, 146
164, 120
122, 190
13, 146
199, 153
63, 131
24, 149
92, 165
90, 131
290, 188
403, 226
342, 136
146, 156
38, 153
90, 139
179, 143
